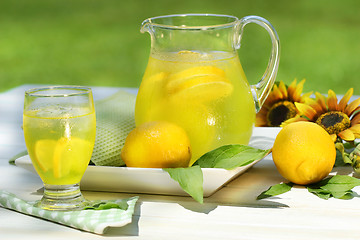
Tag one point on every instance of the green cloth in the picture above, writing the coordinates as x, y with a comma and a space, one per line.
12, 160
115, 118
95, 221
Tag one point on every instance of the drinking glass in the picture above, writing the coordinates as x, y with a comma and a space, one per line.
59, 128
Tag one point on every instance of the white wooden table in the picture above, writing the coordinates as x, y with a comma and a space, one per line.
231, 213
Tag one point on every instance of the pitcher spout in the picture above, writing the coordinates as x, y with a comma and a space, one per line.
145, 26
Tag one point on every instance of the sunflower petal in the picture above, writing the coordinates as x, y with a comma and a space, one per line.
270, 100
277, 93
351, 107
294, 119
333, 137
356, 118
309, 101
306, 96
274, 96
321, 100
298, 90
332, 101
283, 90
343, 102
347, 135
306, 110
262, 113
355, 128
261, 120
315, 105
291, 89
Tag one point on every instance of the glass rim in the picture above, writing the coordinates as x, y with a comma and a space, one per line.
78, 90
199, 27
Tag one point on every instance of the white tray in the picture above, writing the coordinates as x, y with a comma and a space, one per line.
155, 180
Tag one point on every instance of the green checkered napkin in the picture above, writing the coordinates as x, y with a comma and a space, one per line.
114, 121
95, 221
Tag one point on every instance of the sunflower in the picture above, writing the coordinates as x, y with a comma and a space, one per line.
340, 120
279, 105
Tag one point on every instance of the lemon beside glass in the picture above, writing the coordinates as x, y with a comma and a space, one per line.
59, 129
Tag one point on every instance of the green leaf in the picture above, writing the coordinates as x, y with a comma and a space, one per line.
319, 192
349, 195
342, 156
228, 157
339, 160
341, 194
231, 156
344, 179
341, 183
102, 205
275, 190
338, 186
190, 179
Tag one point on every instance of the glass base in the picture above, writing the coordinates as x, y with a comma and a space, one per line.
62, 198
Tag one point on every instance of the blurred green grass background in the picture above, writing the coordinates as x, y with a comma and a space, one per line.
98, 43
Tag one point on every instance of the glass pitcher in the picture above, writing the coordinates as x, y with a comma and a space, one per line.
194, 78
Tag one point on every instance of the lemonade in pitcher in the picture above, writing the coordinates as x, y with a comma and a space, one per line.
60, 145
194, 78
199, 92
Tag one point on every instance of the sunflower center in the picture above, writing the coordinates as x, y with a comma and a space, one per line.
334, 122
280, 112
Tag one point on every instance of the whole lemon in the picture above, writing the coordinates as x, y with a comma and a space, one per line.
304, 153
157, 144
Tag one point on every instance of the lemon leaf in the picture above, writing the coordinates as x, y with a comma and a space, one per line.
321, 193
338, 186
103, 205
341, 182
190, 179
276, 190
231, 156
342, 155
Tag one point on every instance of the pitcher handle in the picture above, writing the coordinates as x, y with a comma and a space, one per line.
261, 90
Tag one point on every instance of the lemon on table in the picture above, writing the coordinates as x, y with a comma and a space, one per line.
205, 83
157, 144
304, 153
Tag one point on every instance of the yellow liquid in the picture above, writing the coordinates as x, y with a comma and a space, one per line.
206, 94
60, 148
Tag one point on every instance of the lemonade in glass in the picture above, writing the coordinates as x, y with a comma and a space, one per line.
59, 128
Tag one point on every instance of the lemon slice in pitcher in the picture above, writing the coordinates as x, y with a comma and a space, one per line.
205, 83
